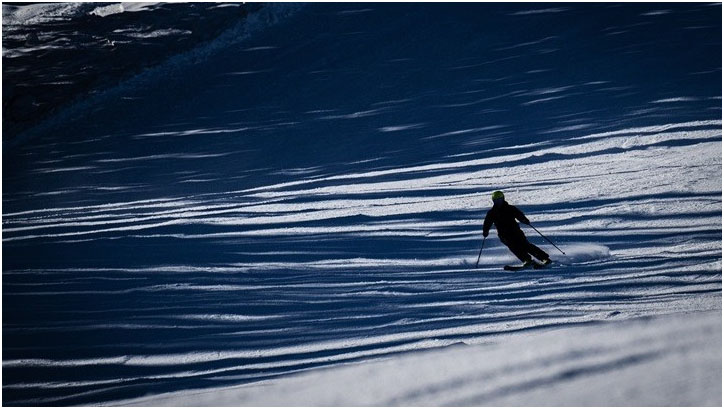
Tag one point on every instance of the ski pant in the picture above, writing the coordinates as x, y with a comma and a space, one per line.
523, 249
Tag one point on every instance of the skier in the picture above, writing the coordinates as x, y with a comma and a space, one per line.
504, 216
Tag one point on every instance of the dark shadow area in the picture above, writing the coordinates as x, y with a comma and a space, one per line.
63, 55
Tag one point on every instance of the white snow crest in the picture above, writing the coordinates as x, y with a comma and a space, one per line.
581, 253
117, 8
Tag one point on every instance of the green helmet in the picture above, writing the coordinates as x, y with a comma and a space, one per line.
498, 195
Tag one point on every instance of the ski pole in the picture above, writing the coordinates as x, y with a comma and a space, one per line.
480, 254
549, 240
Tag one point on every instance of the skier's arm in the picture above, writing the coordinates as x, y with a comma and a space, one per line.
487, 223
520, 216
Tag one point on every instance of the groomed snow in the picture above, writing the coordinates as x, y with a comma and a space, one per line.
665, 361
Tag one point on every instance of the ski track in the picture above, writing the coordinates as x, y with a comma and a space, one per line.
312, 310
218, 229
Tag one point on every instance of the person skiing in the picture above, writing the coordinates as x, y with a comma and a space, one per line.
504, 216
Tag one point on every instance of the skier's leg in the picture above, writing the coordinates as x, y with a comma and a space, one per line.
518, 248
536, 252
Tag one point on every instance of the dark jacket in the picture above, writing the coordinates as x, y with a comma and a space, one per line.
504, 217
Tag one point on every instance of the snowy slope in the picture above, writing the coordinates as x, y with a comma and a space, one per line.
667, 361
302, 192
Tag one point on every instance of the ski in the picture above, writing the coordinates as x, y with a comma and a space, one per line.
539, 266
522, 266
533, 264
515, 268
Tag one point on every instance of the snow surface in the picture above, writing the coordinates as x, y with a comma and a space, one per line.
666, 361
57, 54
300, 192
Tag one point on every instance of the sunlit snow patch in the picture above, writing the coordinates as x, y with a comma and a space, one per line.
581, 253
